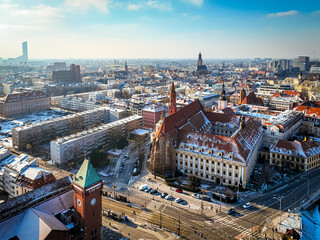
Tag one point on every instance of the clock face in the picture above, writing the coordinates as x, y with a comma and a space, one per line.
93, 201
79, 202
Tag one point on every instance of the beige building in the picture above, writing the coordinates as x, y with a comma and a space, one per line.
22, 102
82, 143
299, 156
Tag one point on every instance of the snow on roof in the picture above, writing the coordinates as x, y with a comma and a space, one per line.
34, 173
140, 132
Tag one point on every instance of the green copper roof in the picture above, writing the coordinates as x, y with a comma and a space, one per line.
86, 175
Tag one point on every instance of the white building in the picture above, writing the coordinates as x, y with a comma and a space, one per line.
73, 146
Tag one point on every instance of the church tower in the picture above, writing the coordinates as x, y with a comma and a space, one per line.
243, 95
87, 200
126, 67
222, 103
173, 99
199, 60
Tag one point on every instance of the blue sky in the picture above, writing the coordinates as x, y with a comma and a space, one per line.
160, 28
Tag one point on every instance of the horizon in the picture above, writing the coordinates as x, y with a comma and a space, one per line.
153, 29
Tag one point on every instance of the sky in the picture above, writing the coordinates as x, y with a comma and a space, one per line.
120, 29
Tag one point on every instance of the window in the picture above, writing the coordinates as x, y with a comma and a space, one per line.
229, 174
207, 169
236, 174
191, 157
237, 167
229, 181
224, 164
201, 167
218, 171
224, 172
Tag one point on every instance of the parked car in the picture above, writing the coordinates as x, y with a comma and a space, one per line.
197, 196
163, 195
205, 198
143, 187
246, 205
153, 191
179, 200
121, 169
148, 190
231, 211
169, 197
179, 190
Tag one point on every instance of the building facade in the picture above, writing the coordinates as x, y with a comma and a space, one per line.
82, 143
22, 102
186, 141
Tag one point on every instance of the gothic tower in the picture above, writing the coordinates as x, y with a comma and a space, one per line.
87, 200
173, 99
199, 60
243, 95
126, 67
222, 103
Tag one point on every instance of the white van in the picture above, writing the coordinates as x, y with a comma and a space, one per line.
143, 187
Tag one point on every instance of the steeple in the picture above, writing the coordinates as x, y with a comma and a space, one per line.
199, 60
222, 103
243, 95
223, 93
173, 99
126, 67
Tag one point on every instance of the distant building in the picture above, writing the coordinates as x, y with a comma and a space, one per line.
22, 102
302, 62
67, 76
201, 68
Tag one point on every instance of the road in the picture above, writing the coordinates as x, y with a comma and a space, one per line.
246, 224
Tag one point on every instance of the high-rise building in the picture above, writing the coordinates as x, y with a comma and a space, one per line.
302, 62
25, 51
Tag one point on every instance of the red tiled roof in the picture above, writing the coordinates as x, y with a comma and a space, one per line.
303, 149
252, 99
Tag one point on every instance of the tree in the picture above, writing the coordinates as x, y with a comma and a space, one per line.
76, 124
99, 159
195, 183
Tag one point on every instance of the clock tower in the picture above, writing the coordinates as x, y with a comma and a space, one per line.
87, 200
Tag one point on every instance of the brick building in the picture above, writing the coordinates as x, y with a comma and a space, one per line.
151, 115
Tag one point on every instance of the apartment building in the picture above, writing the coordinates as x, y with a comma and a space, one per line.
22, 102
300, 156
285, 100
43, 132
82, 143
21, 174
152, 114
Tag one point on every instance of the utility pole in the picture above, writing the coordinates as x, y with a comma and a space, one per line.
179, 226
202, 207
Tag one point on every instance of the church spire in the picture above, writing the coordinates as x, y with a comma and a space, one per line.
199, 60
173, 99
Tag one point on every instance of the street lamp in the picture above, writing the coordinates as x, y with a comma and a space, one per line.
279, 198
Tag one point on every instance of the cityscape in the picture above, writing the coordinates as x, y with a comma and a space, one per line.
160, 120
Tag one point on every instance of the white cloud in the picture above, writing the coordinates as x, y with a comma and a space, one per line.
40, 13
283, 14
195, 2
160, 6
100, 5
134, 7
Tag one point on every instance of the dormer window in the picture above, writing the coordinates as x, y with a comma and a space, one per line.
200, 149
210, 151
231, 155
220, 153
191, 148
181, 145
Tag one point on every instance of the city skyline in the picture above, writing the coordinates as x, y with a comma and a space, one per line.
160, 29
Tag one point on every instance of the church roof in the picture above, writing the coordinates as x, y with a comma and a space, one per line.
86, 175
